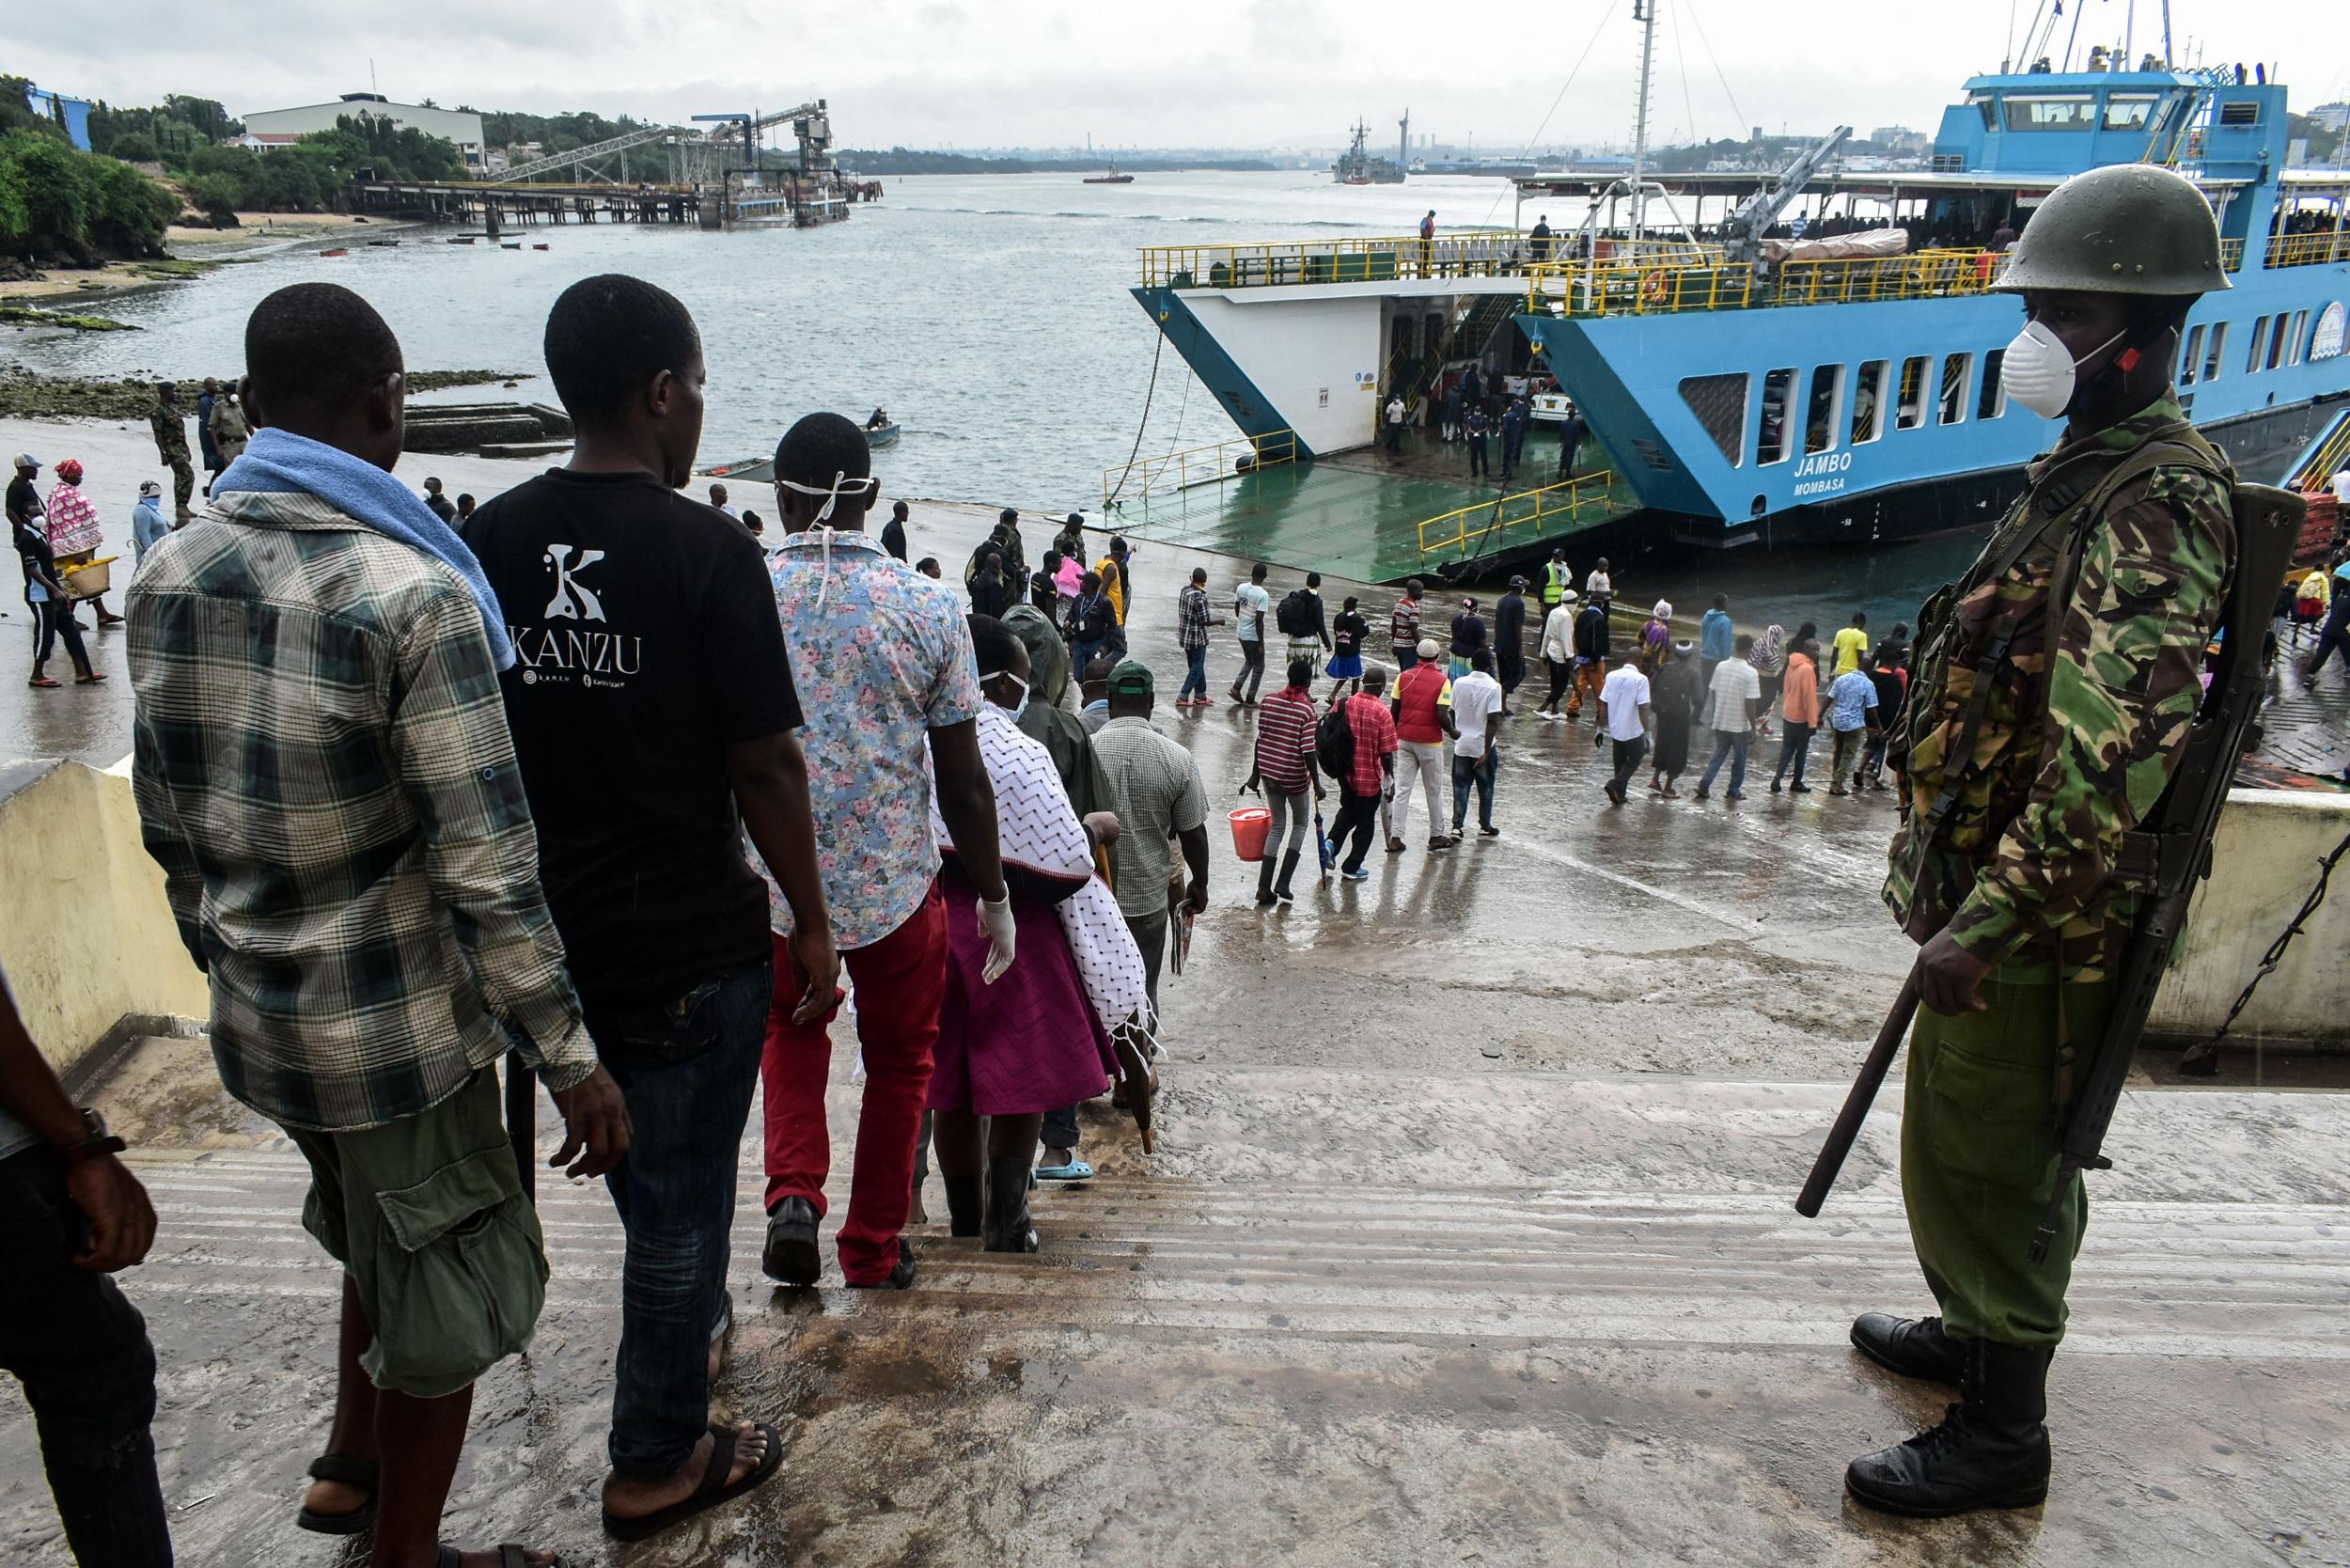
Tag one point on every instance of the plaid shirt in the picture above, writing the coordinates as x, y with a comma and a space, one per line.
323, 771
1373, 729
1191, 617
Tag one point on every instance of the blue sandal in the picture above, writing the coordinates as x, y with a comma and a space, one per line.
1075, 1171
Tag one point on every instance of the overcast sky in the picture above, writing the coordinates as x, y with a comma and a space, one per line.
971, 73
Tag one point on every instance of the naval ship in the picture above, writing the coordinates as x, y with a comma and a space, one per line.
1819, 364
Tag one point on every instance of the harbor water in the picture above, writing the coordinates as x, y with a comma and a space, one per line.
989, 314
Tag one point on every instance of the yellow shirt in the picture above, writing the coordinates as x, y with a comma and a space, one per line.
1113, 583
1851, 643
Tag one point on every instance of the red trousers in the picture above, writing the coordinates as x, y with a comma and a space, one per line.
899, 983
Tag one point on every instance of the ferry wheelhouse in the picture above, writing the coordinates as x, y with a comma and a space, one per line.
1819, 363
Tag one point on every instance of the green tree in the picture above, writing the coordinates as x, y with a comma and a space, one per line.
215, 195
134, 146
207, 116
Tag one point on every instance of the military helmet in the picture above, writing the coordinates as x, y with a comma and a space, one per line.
2128, 229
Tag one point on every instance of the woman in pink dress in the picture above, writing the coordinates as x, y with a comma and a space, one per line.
73, 532
1039, 1036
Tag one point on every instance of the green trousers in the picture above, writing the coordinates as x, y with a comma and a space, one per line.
1979, 1154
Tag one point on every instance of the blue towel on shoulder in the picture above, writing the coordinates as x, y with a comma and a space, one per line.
279, 462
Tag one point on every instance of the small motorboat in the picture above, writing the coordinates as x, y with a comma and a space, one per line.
339, 250
385, 243
541, 245
750, 470
510, 244
1113, 178
463, 239
761, 470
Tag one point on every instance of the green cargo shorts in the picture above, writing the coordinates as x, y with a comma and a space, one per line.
427, 1215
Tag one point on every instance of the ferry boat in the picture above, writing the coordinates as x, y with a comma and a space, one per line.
1745, 385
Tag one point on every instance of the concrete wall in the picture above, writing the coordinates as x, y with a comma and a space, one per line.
1315, 361
85, 934
2264, 865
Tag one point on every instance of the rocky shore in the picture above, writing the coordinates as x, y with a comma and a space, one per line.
26, 393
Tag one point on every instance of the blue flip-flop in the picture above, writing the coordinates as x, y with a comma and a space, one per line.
1075, 1171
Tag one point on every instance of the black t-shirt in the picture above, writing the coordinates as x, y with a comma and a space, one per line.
23, 500
646, 642
443, 508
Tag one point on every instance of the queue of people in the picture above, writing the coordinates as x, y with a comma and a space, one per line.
829, 777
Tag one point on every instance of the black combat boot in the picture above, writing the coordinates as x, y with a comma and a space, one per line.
1914, 1347
1990, 1452
963, 1205
1008, 1227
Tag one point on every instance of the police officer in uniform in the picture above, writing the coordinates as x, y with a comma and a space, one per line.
2054, 687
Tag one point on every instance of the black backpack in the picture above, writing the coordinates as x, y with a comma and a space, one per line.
1334, 743
1295, 617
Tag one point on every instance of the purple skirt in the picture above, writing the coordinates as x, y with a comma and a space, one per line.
1030, 1042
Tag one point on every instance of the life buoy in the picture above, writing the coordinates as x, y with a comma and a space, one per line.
1655, 287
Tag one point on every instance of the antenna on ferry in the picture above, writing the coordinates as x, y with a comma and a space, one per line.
1643, 12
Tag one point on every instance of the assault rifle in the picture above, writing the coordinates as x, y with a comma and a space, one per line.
2165, 857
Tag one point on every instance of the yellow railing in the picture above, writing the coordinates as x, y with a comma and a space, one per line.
1630, 288
1218, 460
1480, 253
2231, 254
2327, 460
2309, 250
1485, 523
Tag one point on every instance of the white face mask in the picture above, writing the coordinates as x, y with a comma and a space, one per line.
1023, 705
2041, 373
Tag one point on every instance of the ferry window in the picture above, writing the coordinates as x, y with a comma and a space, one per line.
1721, 404
1955, 370
2191, 356
1779, 390
1990, 108
1991, 402
2068, 113
1828, 390
2218, 347
1868, 402
2293, 345
2245, 112
2260, 345
2276, 339
1911, 412
2128, 114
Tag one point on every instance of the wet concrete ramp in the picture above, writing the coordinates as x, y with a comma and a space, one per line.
1344, 1318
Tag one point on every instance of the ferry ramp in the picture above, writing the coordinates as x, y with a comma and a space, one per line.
1346, 517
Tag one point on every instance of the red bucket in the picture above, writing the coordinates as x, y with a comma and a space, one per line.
1250, 824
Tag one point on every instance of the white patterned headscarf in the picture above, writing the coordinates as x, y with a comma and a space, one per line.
1037, 832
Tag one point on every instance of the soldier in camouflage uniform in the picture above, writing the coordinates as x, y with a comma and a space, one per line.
2053, 691
171, 425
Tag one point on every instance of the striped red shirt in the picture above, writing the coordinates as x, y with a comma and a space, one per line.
1374, 743
1285, 738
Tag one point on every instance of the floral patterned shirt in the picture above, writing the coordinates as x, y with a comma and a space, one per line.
881, 656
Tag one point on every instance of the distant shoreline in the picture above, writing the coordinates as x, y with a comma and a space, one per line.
871, 164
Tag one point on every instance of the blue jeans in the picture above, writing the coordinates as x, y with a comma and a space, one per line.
1405, 658
1731, 743
1477, 770
1195, 673
1796, 748
687, 1069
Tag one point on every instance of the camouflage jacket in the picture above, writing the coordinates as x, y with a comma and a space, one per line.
171, 425
2088, 716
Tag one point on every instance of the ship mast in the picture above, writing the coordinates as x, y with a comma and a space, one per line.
1643, 12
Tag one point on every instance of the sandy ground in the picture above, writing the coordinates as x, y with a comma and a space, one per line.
256, 231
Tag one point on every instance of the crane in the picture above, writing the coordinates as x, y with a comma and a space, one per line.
1758, 212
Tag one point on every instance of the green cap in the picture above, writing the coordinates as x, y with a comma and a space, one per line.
2128, 229
1131, 679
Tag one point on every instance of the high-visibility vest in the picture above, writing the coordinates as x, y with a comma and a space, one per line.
1554, 582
